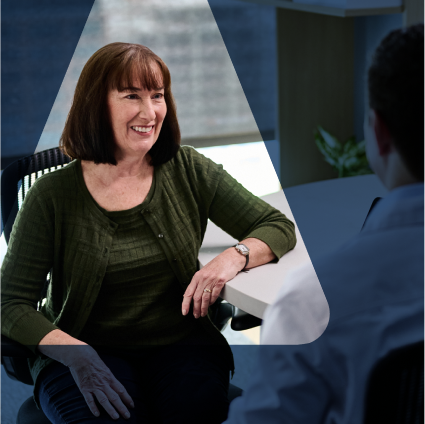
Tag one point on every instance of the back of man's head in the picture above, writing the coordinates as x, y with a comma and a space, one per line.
396, 93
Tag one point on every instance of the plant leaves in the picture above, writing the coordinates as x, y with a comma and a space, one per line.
328, 157
348, 159
330, 140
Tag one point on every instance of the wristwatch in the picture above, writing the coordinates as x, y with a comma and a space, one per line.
243, 250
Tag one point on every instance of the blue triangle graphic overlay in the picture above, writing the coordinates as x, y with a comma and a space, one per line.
38, 39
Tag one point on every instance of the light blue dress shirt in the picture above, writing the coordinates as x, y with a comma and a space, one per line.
375, 289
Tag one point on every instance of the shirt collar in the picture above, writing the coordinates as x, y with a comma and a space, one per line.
402, 206
406, 191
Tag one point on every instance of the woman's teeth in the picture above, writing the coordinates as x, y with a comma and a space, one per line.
142, 129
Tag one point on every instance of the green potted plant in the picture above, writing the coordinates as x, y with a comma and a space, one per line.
348, 159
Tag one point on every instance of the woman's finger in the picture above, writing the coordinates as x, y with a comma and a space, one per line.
205, 300
122, 392
105, 404
197, 300
91, 403
215, 293
188, 295
115, 400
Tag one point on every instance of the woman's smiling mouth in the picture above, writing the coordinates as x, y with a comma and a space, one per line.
143, 130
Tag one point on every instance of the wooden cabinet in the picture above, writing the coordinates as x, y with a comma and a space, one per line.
315, 55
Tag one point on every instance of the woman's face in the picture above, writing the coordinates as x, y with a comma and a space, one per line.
136, 117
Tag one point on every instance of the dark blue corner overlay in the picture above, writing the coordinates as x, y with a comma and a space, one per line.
249, 33
38, 39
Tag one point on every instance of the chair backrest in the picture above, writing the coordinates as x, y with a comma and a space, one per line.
16, 180
395, 391
19, 176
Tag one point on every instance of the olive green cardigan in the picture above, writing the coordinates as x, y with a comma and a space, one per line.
59, 226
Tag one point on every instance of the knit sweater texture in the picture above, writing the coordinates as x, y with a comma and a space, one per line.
60, 227
148, 312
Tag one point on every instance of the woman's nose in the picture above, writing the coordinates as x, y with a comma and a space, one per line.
147, 111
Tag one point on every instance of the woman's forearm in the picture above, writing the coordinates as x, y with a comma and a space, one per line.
259, 252
63, 348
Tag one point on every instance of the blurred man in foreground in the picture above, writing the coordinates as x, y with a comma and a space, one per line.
374, 283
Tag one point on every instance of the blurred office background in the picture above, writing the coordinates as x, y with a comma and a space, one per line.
223, 59
212, 107
226, 92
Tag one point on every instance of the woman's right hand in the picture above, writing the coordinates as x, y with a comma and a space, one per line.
96, 381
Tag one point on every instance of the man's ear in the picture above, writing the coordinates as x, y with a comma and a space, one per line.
382, 134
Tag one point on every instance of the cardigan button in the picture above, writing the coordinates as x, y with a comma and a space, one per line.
160, 235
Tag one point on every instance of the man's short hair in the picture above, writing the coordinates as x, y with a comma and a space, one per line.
88, 133
396, 92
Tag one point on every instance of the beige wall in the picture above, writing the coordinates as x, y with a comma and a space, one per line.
315, 62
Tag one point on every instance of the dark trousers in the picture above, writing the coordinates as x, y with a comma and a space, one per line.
178, 384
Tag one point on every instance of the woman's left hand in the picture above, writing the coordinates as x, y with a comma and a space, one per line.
208, 282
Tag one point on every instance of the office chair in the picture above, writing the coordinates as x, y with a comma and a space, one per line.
16, 180
19, 176
395, 390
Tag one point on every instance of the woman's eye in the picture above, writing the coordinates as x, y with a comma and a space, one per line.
131, 96
158, 96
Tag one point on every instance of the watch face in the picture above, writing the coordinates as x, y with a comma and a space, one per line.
243, 249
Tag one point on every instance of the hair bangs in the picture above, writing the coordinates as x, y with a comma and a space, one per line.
139, 69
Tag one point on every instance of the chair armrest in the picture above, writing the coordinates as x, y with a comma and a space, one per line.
14, 349
222, 315
243, 321
15, 360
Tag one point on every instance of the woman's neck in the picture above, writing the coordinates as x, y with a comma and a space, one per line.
129, 167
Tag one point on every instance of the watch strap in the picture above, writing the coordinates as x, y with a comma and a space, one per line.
246, 256
247, 260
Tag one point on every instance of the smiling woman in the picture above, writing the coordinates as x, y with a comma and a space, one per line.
136, 118
120, 72
125, 324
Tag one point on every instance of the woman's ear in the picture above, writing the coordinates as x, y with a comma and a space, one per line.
382, 134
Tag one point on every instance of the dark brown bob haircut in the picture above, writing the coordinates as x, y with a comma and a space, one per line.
396, 92
88, 133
